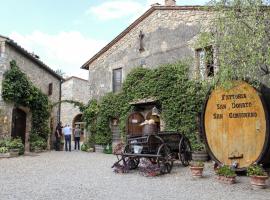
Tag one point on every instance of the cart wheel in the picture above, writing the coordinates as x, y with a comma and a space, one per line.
133, 163
165, 168
184, 151
165, 161
127, 149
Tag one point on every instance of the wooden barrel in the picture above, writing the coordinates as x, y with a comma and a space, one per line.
235, 126
149, 129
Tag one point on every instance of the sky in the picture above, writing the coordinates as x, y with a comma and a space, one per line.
67, 33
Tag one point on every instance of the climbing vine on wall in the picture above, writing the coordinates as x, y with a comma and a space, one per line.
181, 99
19, 90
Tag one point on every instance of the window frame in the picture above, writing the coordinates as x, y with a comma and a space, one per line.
116, 87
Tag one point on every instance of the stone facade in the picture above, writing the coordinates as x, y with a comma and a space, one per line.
169, 36
75, 89
37, 72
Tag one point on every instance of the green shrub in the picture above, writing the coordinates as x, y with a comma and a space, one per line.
37, 142
256, 170
85, 147
16, 143
225, 171
3, 149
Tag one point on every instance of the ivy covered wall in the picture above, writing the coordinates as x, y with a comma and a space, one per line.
181, 99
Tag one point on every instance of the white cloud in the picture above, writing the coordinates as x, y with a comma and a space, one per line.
115, 9
65, 50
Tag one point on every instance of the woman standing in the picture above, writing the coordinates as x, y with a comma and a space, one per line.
77, 135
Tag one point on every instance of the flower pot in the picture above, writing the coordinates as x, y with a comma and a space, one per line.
200, 156
5, 155
258, 182
99, 148
14, 152
196, 171
227, 179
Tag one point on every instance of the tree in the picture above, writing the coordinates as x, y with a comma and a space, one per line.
60, 72
240, 33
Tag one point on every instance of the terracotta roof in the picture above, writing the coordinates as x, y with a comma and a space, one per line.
71, 77
31, 56
134, 24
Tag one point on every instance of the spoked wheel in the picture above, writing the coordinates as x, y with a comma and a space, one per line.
164, 162
130, 162
184, 151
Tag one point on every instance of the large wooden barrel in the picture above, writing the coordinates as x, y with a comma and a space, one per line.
235, 126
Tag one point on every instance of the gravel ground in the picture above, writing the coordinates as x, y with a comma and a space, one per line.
79, 175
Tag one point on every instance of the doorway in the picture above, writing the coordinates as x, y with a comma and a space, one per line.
18, 124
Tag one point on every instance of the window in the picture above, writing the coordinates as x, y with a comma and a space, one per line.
50, 91
117, 79
205, 61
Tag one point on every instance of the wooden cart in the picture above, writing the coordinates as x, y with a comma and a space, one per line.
162, 148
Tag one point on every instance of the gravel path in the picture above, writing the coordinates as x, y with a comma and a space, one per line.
79, 175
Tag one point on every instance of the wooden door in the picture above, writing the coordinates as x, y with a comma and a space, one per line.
18, 124
134, 121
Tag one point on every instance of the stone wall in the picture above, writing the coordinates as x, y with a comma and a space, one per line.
169, 36
75, 89
40, 77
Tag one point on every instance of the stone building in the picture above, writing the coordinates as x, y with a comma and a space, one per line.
74, 89
16, 121
163, 34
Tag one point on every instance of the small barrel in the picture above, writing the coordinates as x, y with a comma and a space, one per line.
149, 129
236, 126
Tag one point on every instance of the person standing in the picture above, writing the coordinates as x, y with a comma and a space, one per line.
58, 136
67, 133
77, 136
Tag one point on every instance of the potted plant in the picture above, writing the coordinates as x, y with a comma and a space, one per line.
199, 152
39, 145
4, 152
226, 175
257, 176
15, 147
196, 169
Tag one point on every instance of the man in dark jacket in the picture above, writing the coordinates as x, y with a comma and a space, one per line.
58, 136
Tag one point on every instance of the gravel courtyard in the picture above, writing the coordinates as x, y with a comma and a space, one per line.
79, 175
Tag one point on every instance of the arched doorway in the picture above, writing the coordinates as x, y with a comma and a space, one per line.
134, 124
18, 124
77, 120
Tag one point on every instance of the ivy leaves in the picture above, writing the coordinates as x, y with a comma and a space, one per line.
180, 97
19, 90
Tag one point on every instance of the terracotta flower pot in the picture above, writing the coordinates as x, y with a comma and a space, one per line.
227, 179
196, 171
258, 182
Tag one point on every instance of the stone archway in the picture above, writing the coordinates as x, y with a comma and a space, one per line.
77, 120
19, 124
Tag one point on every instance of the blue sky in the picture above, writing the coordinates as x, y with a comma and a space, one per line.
66, 33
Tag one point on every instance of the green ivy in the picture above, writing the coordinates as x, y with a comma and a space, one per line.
181, 99
19, 90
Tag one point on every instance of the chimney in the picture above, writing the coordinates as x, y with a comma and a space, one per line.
170, 2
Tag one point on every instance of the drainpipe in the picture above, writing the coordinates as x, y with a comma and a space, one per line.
60, 98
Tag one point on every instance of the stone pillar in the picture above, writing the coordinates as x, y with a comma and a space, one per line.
170, 2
